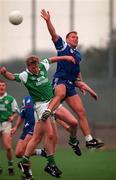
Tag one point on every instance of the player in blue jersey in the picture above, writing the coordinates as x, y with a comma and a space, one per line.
65, 79
27, 117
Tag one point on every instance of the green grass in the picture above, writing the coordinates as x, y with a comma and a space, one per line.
92, 165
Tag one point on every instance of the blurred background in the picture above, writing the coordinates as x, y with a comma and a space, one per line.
95, 22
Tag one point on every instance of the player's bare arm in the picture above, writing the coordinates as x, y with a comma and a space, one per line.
83, 86
46, 16
19, 122
13, 117
6, 74
60, 58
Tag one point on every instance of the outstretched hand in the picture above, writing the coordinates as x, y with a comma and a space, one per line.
94, 95
3, 70
45, 15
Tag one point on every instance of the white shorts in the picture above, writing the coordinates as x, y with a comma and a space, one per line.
5, 127
40, 107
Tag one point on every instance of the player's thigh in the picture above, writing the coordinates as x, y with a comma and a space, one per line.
60, 90
75, 103
65, 115
63, 124
6, 134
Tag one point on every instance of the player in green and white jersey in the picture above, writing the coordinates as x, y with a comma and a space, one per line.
35, 79
8, 113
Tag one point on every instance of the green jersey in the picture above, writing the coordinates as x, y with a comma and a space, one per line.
8, 106
38, 86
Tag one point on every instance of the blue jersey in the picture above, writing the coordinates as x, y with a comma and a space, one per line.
27, 112
67, 70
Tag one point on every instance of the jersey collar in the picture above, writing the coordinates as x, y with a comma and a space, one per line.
28, 71
75, 49
5, 94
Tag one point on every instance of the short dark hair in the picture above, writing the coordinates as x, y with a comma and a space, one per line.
32, 60
70, 33
2, 81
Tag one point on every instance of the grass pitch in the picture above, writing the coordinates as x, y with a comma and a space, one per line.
92, 165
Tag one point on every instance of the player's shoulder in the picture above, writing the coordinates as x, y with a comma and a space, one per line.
21, 73
44, 61
9, 97
45, 64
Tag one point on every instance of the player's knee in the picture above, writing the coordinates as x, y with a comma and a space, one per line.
62, 96
9, 148
74, 124
19, 153
68, 129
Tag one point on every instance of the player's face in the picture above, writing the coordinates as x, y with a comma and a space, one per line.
2, 88
72, 40
33, 68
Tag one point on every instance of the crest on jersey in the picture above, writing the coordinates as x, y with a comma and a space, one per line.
28, 101
71, 50
33, 78
6, 101
42, 73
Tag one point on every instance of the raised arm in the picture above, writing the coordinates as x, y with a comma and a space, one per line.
6, 74
46, 16
61, 58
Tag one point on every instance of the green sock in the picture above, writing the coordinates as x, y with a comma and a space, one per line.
25, 159
50, 159
72, 140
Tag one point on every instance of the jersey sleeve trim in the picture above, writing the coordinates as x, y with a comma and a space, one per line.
22, 77
15, 107
46, 63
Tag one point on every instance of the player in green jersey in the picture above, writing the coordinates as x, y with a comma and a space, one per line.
35, 79
8, 113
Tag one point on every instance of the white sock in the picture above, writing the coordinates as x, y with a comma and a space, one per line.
88, 137
38, 152
30, 172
